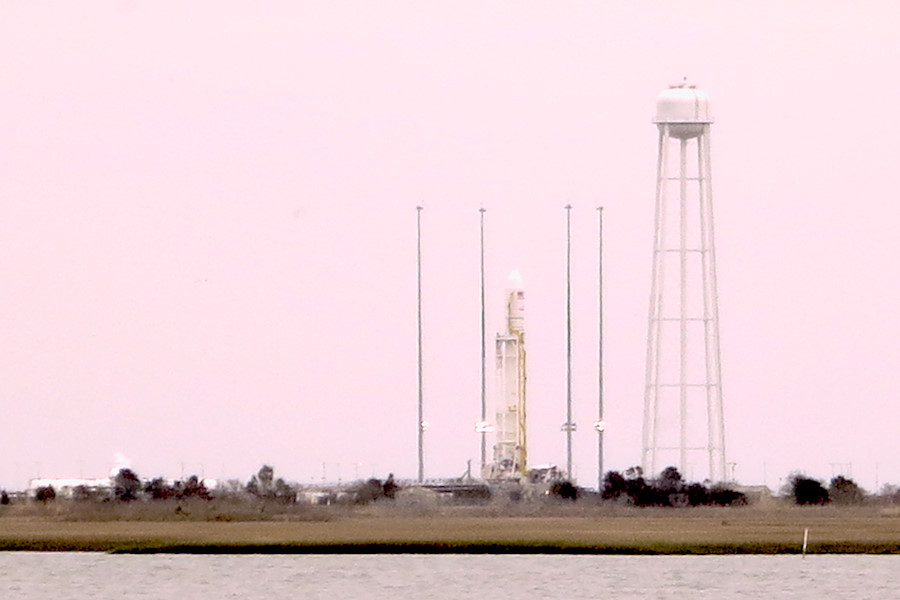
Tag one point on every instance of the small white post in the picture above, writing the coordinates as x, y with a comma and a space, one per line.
805, 540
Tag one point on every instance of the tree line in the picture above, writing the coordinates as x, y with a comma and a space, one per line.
127, 486
841, 490
668, 489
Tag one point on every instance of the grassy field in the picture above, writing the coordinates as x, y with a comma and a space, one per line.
569, 529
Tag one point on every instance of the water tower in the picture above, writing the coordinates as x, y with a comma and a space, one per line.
683, 416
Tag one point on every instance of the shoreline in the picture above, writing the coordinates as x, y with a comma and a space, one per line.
441, 548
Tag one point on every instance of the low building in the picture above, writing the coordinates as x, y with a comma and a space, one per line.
65, 487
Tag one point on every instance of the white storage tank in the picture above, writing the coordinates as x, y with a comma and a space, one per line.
685, 109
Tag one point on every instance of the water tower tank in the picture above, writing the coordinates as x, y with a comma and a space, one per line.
685, 109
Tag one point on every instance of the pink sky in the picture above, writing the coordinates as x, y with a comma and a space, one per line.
208, 228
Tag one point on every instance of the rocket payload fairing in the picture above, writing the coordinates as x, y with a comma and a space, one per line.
510, 448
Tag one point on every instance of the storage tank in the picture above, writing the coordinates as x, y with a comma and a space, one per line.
685, 109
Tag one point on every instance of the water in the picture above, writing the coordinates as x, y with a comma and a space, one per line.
421, 577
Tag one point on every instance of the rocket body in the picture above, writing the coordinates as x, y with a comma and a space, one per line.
510, 447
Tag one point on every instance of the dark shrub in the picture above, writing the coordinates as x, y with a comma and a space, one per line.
669, 480
698, 495
807, 491
158, 489
842, 490
45, 494
564, 490
727, 497
614, 485
193, 488
126, 485
390, 487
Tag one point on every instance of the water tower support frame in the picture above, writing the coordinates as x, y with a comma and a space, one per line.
693, 193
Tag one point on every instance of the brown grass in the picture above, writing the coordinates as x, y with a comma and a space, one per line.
570, 528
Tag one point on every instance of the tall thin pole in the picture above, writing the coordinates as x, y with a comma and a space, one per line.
483, 367
420, 425
569, 426
600, 425
683, 309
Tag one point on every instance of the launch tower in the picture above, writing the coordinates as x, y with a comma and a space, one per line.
510, 448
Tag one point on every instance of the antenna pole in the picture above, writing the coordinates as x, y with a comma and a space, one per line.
569, 426
483, 376
421, 424
600, 425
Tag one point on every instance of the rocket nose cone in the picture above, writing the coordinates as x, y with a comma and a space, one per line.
515, 279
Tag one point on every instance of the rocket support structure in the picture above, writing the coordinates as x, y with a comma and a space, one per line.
510, 449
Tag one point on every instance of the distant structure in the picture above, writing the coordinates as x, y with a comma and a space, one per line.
510, 449
683, 391
66, 487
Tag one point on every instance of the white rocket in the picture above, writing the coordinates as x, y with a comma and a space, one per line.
510, 448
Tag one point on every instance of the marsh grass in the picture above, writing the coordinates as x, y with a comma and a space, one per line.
224, 509
395, 528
